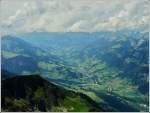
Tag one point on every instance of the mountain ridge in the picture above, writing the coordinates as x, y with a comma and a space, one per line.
17, 87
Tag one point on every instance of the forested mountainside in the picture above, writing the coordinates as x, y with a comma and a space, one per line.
21, 57
125, 51
33, 93
110, 67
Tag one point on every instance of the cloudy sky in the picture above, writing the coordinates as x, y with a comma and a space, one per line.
73, 15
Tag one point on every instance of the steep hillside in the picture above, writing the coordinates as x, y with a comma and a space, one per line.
21, 57
123, 51
126, 54
32, 93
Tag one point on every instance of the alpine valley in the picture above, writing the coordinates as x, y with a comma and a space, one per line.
75, 71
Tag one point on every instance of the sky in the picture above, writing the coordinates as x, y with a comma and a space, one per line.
17, 16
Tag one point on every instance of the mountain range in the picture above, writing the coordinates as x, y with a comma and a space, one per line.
110, 68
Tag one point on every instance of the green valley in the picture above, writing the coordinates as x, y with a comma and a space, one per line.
110, 68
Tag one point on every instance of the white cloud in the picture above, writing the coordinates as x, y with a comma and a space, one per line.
123, 14
70, 15
79, 26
